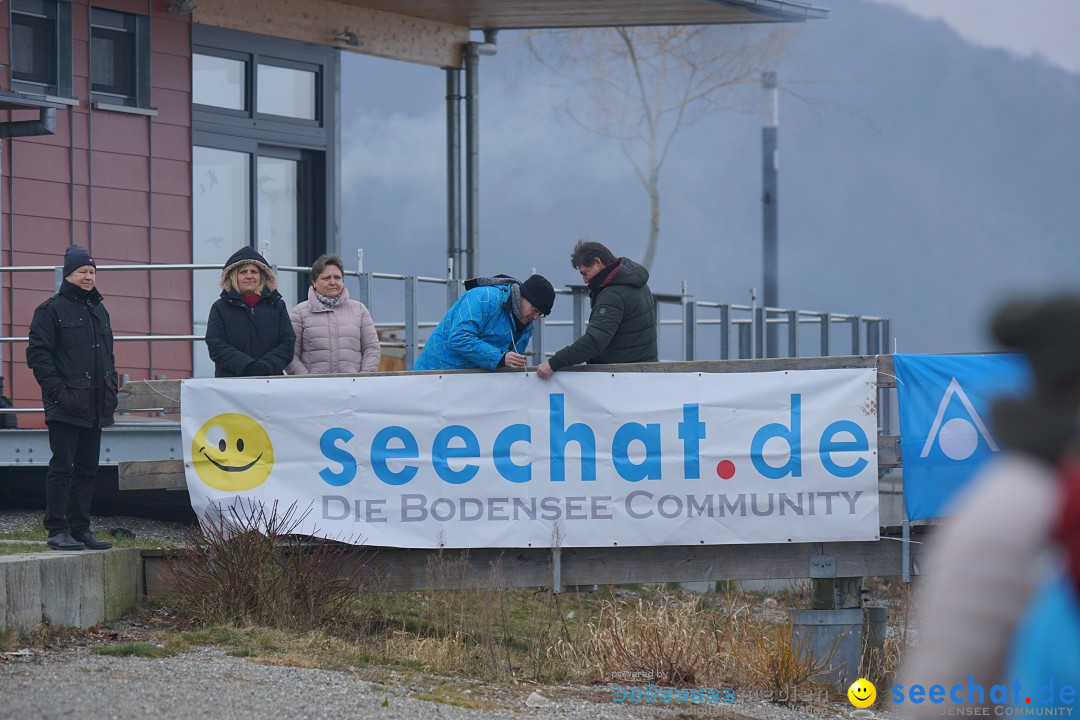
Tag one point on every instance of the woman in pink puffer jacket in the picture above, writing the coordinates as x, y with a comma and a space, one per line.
333, 333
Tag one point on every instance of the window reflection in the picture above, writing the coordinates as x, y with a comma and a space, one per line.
220, 210
279, 215
218, 81
286, 91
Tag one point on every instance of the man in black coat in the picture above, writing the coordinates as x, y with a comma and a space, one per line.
622, 324
71, 354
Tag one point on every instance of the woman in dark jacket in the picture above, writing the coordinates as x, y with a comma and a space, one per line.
249, 333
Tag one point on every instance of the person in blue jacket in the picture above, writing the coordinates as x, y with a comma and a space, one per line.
489, 326
249, 333
1045, 652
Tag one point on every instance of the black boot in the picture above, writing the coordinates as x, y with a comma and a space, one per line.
87, 538
63, 541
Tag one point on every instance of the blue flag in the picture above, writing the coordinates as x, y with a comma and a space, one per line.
945, 434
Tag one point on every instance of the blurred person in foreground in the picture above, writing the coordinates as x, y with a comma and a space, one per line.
622, 324
334, 334
71, 354
489, 326
1000, 600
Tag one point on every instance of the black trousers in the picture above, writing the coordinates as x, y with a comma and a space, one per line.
69, 484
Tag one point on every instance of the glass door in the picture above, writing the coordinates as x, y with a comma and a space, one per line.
221, 212
281, 219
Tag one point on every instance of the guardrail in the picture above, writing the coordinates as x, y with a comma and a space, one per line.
705, 329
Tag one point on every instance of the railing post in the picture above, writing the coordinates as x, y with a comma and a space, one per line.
363, 281
412, 286
58, 278
363, 292
725, 332
579, 311
689, 320
537, 351
856, 331
124, 379
454, 288
885, 401
826, 333
873, 337
556, 570
746, 334
760, 319
905, 538
793, 333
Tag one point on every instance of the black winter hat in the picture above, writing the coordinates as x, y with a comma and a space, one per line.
539, 292
244, 256
75, 257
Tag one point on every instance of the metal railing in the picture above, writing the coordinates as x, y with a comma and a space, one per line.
706, 330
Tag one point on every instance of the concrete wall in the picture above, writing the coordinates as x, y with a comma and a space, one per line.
70, 589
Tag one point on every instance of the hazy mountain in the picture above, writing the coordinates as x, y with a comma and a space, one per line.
922, 180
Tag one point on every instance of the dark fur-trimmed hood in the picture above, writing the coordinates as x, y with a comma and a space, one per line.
244, 256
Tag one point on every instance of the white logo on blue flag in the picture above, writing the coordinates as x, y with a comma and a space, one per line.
944, 403
957, 437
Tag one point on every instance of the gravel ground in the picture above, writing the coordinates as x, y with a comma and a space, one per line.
73, 681
167, 532
208, 684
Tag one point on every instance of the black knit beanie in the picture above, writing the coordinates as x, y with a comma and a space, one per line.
539, 292
75, 257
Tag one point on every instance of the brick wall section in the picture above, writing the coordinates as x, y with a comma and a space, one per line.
118, 183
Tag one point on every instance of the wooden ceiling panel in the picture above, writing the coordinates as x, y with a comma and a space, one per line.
520, 14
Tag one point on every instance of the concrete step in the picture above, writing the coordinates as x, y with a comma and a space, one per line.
70, 589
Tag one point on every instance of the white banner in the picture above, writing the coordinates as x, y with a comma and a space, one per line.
509, 460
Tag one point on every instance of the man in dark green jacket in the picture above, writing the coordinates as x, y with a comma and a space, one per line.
622, 325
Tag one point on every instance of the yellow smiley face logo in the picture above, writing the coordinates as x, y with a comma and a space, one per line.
862, 693
232, 452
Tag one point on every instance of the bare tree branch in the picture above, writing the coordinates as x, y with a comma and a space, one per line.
644, 85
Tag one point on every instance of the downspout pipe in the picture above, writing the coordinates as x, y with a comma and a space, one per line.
473, 51
453, 170
44, 125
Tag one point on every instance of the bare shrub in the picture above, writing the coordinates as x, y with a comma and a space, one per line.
880, 663
250, 567
764, 653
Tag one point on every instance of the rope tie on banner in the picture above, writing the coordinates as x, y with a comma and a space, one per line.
172, 399
876, 359
902, 540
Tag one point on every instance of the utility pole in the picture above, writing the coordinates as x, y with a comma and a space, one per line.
770, 162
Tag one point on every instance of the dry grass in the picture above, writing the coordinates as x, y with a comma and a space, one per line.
251, 567
263, 603
670, 640
769, 657
482, 632
880, 664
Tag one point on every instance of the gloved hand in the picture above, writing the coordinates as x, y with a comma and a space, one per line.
255, 368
